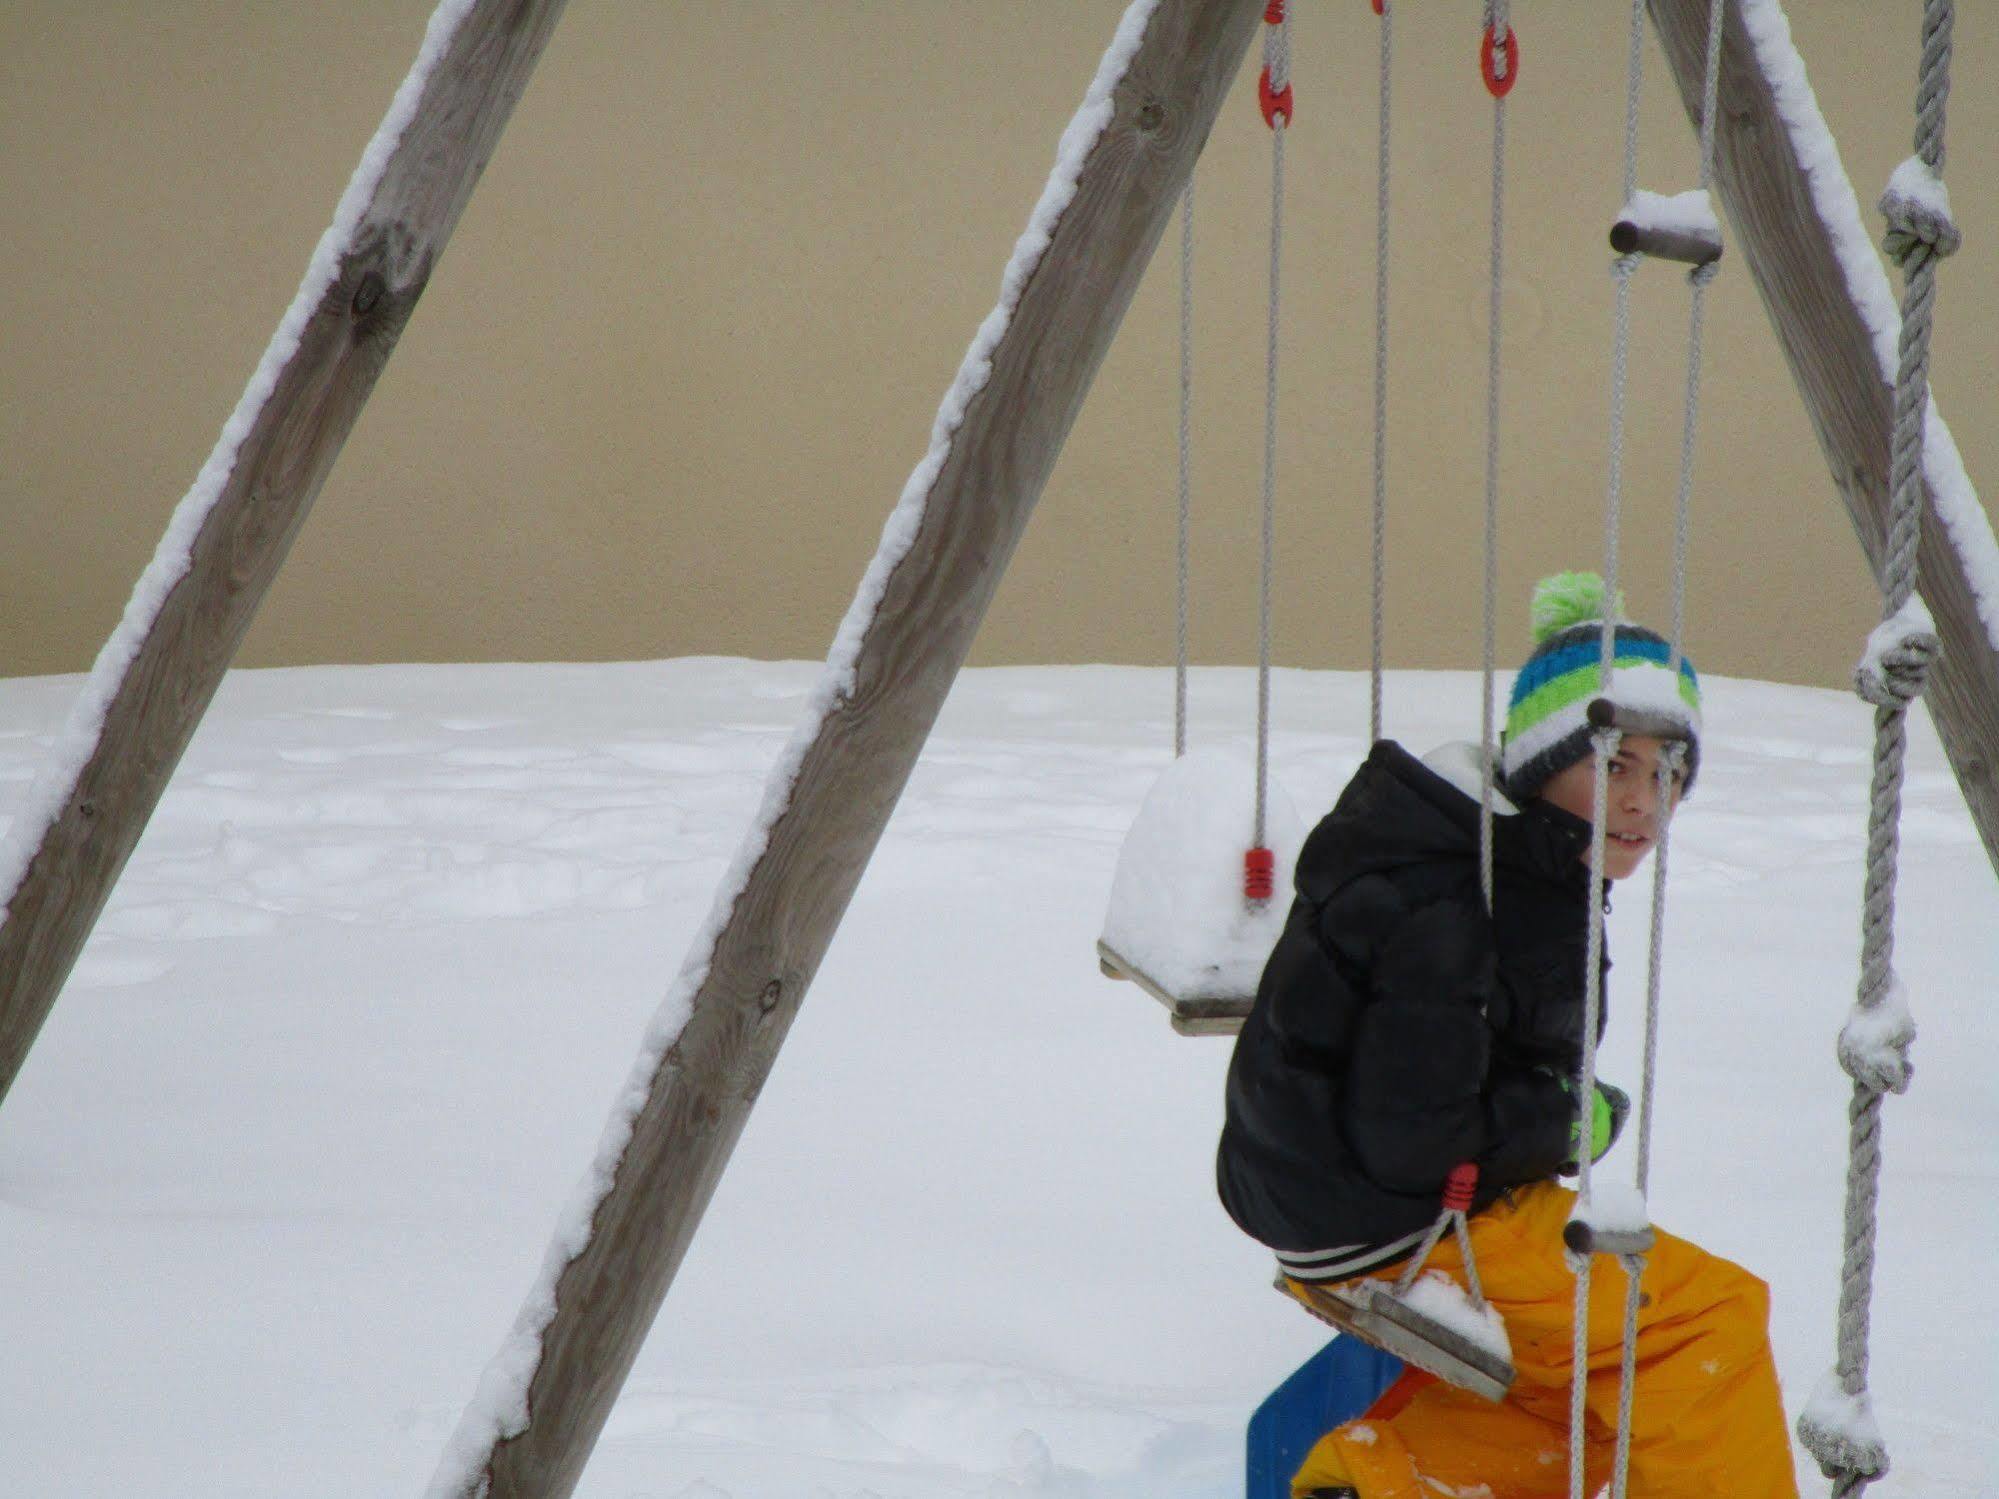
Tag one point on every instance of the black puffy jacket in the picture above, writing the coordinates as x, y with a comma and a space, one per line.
1398, 1030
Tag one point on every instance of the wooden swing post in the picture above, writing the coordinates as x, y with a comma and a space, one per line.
1791, 254
853, 771
279, 467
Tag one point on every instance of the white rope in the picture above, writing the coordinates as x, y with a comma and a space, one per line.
1277, 61
1379, 590
1699, 279
1620, 1474
1604, 745
1185, 545
1496, 21
1265, 588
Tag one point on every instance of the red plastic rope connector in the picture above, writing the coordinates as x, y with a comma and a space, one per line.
1378, 7
1459, 1187
1273, 104
1259, 874
1495, 85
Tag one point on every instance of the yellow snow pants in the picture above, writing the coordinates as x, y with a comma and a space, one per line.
1707, 1421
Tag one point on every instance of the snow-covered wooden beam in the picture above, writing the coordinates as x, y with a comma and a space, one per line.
229, 535
1120, 170
1827, 291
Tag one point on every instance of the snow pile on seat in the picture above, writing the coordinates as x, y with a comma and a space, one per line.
1436, 1296
1177, 910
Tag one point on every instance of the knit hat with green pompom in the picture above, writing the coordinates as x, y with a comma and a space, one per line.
1547, 720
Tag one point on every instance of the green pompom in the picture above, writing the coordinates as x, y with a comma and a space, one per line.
1568, 599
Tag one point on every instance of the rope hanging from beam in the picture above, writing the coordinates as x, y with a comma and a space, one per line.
1838, 1426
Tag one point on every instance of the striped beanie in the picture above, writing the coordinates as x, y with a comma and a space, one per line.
1547, 719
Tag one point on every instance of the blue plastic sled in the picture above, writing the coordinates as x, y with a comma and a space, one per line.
1331, 1387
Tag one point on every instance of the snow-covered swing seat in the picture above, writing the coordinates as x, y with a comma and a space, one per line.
1203, 879
1179, 923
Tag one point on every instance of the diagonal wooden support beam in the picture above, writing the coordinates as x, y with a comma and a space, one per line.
229, 536
1786, 223
546, 1398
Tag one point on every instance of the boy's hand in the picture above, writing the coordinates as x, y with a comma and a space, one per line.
1608, 1110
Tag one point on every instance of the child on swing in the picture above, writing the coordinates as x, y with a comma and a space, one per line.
1399, 1031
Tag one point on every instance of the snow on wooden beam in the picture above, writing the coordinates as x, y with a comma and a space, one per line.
1120, 172
1826, 291
229, 535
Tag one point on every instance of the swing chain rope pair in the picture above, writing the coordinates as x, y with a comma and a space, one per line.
1840, 1432
1460, 1187
1276, 101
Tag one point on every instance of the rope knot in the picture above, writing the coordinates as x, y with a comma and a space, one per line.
1838, 1429
1704, 273
1917, 208
1896, 665
1874, 1043
1624, 267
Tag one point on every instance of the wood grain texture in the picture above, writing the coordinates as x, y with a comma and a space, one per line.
1789, 252
1686, 247
854, 771
279, 469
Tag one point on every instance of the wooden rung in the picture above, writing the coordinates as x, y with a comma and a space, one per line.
1371, 1312
1685, 246
1586, 1238
1202, 1013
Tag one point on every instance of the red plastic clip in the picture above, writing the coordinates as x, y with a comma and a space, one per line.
1259, 874
1459, 1187
1495, 85
1378, 7
1273, 104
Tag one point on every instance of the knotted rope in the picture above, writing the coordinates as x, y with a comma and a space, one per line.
1838, 1428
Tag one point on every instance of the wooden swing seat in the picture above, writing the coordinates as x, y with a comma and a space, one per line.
1204, 1011
1371, 1312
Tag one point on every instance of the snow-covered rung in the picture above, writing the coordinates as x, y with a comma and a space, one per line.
1677, 226
1613, 1219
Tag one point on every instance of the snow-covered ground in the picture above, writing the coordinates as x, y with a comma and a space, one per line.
287, 1155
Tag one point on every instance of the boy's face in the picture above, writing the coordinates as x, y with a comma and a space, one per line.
1633, 810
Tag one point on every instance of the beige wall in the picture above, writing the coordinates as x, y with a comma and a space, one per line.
688, 340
